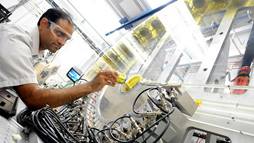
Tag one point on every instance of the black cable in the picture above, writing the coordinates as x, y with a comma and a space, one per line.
41, 130
165, 129
50, 128
83, 79
23, 116
150, 134
63, 127
143, 132
89, 134
93, 135
161, 134
159, 120
55, 129
136, 99
157, 104
111, 131
167, 115
61, 111
103, 132
47, 124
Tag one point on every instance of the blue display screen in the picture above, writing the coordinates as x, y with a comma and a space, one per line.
73, 75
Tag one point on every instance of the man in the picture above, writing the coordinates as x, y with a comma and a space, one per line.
18, 47
243, 76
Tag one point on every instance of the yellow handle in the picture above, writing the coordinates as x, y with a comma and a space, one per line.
121, 78
132, 82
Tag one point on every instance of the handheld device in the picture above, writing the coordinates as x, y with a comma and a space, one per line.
74, 74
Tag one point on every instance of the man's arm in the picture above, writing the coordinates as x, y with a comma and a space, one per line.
35, 97
242, 78
249, 52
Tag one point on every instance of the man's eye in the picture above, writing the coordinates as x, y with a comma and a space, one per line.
59, 33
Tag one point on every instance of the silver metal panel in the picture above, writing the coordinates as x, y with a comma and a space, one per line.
154, 53
170, 62
216, 47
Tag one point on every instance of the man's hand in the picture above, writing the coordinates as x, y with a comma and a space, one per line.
241, 81
104, 78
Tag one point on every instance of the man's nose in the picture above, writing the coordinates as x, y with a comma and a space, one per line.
61, 41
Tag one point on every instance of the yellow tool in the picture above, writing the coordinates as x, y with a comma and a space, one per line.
136, 79
131, 82
121, 78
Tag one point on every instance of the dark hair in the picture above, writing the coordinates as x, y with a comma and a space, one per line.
54, 15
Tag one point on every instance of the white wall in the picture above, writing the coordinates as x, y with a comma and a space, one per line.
75, 52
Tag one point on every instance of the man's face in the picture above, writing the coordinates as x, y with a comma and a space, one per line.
55, 35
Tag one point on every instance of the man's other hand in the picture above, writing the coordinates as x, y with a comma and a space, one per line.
103, 78
241, 81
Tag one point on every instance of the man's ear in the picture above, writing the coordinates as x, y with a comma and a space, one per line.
44, 22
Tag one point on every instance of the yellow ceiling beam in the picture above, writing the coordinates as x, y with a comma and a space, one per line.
204, 7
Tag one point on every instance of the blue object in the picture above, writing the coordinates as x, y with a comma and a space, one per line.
125, 20
146, 14
73, 75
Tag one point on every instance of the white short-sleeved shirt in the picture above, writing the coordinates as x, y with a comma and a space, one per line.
17, 48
